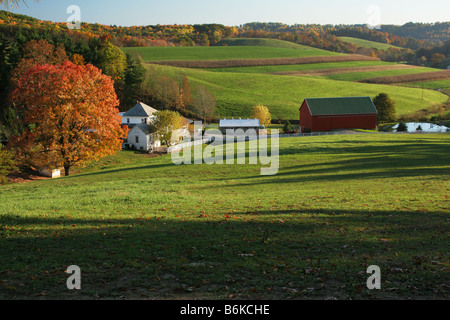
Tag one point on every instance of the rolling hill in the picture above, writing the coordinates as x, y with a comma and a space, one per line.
368, 44
237, 93
283, 87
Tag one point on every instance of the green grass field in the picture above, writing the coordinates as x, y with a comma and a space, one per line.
438, 84
302, 67
260, 42
238, 89
358, 76
237, 93
143, 228
368, 44
153, 54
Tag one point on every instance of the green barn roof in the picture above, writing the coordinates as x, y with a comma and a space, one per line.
341, 106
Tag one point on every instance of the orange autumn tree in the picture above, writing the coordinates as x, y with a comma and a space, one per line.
72, 115
38, 52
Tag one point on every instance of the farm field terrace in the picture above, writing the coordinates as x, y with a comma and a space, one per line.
237, 93
368, 44
153, 54
141, 227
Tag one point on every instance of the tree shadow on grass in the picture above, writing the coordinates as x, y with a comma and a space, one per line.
201, 256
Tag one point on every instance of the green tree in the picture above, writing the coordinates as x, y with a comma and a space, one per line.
288, 128
386, 108
166, 124
402, 127
134, 77
7, 164
113, 61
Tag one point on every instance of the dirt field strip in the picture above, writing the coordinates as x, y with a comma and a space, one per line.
199, 64
326, 72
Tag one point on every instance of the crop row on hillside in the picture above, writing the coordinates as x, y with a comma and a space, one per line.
428, 76
263, 62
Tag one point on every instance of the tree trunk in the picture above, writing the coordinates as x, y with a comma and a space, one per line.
66, 170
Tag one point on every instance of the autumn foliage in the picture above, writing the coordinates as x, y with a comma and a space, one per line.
38, 52
262, 113
71, 115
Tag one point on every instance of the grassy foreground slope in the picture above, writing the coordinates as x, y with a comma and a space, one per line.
145, 228
237, 93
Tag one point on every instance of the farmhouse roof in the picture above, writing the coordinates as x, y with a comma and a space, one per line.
145, 128
140, 110
341, 106
239, 123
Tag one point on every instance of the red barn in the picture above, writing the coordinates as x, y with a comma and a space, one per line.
327, 114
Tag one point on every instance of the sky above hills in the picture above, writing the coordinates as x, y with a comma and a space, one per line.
237, 12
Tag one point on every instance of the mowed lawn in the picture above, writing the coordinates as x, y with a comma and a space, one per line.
141, 227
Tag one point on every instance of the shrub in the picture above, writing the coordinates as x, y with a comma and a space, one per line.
402, 127
288, 128
7, 164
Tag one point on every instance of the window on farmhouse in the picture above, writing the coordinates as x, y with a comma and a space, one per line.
137, 139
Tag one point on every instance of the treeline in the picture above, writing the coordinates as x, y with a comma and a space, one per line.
314, 39
379, 36
136, 36
431, 50
438, 32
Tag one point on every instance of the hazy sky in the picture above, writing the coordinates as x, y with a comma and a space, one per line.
237, 12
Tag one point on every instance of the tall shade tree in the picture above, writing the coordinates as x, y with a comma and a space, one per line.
134, 77
262, 113
386, 108
71, 113
35, 53
166, 125
204, 104
113, 61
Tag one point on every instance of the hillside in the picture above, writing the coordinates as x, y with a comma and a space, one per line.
259, 42
144, 228
368, 44
282, 86
151, 54
237, 93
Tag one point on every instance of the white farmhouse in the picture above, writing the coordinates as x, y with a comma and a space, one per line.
141, 137
140, 113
